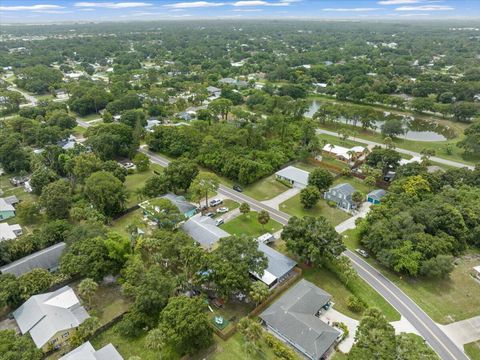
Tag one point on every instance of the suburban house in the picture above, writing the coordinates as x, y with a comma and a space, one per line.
87, 352
48, 259
279, 266
6, 207
151, 123
341, 194
204, 231
51, 318
342, 153
68, 143
294, 318
376, 196
152, 211
9, 232
214, 92
296, 177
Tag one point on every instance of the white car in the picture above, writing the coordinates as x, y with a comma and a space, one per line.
362, 252
215, 202
219, 222
222, 210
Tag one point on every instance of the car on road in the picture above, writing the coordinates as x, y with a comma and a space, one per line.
237, 188
362, 252
215, 202
210, 214
219, 222
222, 210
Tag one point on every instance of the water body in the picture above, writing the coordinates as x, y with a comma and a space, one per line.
415, 129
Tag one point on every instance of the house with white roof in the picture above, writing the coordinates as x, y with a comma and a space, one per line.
87, 352
342, 153
6, 207
9, 232
279, 266
51, 318
204, 230
296, 177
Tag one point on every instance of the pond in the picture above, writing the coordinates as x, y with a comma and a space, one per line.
415, 129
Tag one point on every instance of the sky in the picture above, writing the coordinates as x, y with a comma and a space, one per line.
39, 11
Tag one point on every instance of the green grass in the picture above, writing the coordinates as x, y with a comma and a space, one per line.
473, 350
136, 181
265, 189
294, 207
248, 224
233, 348
339, 142
127, 347
339, 356
79, 130
120, 225
88, 117
444, 300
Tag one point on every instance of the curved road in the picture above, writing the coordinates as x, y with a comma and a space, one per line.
403, 151
434, 336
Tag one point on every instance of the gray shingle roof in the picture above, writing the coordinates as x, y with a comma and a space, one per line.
179, 201
278, 264
344, 188
298, 175
43, 315
204, 230
87, 352
48, 259
293, 317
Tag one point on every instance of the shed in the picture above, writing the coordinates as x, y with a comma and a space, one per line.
375, 196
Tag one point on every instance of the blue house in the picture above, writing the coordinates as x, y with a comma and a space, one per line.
341, 194
375, 196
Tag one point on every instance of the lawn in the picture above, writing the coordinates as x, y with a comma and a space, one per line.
444, 300
120, 225
340, 142
127, 347
248, 224
294, 207
473, 350
265, 189
136, 181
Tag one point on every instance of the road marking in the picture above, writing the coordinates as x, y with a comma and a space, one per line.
427, 327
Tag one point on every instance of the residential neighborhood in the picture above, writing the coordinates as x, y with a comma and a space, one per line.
261, 180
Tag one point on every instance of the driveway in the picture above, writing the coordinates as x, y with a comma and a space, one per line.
463, 332
332, 315
277, 200
350, 223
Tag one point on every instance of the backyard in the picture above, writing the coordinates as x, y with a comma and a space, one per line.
265, 189
136, 181
444, 300
247, 224
294, 207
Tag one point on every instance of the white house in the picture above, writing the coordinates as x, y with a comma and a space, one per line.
296, 177
9, 232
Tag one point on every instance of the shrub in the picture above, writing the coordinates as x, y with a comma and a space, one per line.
343, 327
355, 304
331, 203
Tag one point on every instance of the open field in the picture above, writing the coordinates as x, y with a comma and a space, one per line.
444, 300
265, 189
247, 224
294, 207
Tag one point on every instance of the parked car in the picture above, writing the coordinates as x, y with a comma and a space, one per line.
215, 202
362, 252
210, 214
222, 210
237, 188
219, 222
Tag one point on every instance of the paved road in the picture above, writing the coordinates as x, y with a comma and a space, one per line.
32, 100
434, 336
403, 151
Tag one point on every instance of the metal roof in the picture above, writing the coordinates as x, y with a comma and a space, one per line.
179, 201
43, 315
292, 173
7, 232
6, 206
293, 317
278, 264
377, 194
48, 259
87, 352
204, 230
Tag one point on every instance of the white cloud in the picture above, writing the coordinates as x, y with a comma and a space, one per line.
247, 10
413, 15
52, 12
112, 5
261, 3
195, 4
351, 9
425, 8
31, 7
398, 2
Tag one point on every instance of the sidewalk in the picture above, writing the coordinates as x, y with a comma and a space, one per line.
350, 223
463, 332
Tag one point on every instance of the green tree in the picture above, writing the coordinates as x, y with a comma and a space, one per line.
309, 196
40, 178
244, 208
358, 198
141, 161
87, 289
220, 107
313, 239
392, 128
181, 173
155, 186
321, 178
106, 193
28, 212
16, 347
204, 184
258, 292
185, 325
84, 331
56, 199
155, 340
471, 142
34, 282
263, 218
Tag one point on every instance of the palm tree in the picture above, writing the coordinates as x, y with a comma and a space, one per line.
263, 218
86, 289
155, 340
